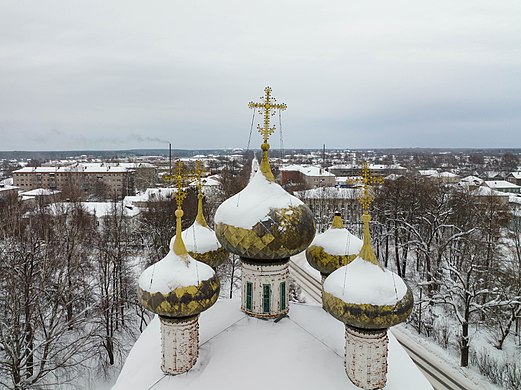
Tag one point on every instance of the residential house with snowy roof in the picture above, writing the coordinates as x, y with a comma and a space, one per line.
310, 176
503, 186
514, 178
378, 169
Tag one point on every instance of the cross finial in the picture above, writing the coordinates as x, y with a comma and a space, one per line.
266, 107
199, 170
179, 181
367, 197
179, 246
367, 180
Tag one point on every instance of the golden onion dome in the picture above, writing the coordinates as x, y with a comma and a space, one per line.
263, 221
334, 248
178, 285
364, 295
201, 242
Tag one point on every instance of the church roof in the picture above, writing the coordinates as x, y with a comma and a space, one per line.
304, 351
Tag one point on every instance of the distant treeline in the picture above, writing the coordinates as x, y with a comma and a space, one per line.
108, 154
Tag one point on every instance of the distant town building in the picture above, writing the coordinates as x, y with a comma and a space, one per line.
103, 179
503, 186
7, 192
309, 176
514, 178
486, 193
377, 169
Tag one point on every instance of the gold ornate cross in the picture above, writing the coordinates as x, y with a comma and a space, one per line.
178, 180
265, 107
181, 193
367, 180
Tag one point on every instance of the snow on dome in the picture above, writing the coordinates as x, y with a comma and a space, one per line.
263, 221
254, 202
364, 295
199, 239
334, 248
338, 242
174, 272
202, 244
178, 286
361, 282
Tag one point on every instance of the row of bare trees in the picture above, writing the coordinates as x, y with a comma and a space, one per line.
66, 291
460, 252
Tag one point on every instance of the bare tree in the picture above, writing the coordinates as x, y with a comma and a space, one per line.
40, 346
115, 281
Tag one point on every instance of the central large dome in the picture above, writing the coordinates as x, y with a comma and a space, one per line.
263, 221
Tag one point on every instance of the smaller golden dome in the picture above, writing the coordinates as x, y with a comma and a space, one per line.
178, 286
334, 248
200, 241
363, 294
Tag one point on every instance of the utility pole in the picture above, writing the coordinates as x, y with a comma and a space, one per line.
170, 158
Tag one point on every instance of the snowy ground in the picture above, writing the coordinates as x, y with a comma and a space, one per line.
441, 354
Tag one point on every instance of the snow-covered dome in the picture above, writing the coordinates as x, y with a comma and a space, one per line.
364, 295
263, 221
200, 241
178, 285
334, 248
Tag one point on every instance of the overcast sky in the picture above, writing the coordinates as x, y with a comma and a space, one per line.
354, 74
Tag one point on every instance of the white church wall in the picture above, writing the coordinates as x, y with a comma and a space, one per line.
258, 276
179, 344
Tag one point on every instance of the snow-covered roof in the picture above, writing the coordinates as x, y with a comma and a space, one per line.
6, 182
8, 188
40, 192
159, 193
304, 351
428, 172
501, 184
308, 170
472, 180
447, 175
330, 193
516, 175
102, 209
373, 167
487, 191
81, 168
392, 176
210, 181
513, 198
